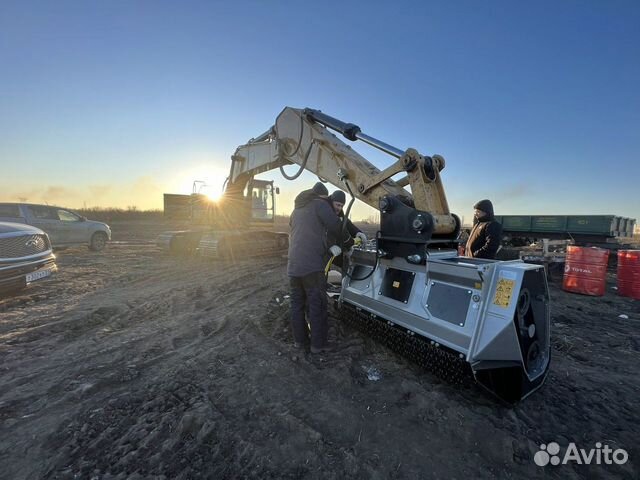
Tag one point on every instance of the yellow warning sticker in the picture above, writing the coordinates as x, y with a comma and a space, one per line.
504, 289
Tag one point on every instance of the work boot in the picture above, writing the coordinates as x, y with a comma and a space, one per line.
320, 350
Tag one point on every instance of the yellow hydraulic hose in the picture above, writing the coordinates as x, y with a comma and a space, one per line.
326, 269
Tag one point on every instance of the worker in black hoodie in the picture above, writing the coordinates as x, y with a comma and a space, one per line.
484, 239
338, 200
312, 222
349, 231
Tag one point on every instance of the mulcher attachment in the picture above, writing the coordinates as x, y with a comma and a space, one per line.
460, 317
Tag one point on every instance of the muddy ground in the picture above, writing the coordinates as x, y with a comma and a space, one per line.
131, 364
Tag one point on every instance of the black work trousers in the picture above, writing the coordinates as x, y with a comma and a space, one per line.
309, 296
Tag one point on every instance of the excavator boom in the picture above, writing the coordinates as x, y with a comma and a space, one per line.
302, 137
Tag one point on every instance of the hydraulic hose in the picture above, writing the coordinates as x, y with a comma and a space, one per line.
344, 228
303, 165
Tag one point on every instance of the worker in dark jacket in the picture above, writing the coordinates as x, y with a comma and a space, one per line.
338, 200
484, 239
311, 222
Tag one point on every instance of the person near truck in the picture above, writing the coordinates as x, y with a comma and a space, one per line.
484, 239
312, 223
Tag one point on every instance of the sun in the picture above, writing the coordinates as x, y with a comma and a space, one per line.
213, 192
213, 195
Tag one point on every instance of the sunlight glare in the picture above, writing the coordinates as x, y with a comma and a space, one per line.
212, 194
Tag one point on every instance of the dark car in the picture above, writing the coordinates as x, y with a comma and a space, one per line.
25, 256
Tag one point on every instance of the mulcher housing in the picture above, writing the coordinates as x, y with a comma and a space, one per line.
493, 315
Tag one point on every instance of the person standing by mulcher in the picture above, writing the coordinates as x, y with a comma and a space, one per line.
337, 200
312, 222
485, 236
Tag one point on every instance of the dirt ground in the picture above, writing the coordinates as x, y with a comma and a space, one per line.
132, 364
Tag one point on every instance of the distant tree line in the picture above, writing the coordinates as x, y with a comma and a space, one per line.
108, 214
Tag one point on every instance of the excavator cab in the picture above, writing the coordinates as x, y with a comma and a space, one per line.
262, 195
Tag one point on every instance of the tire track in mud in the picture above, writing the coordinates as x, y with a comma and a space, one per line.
208, 434
122, 318
243, 454
128, 318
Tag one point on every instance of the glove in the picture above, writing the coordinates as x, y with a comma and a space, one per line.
362, 237
335, 250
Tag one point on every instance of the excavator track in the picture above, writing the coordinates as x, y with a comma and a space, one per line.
238, 245
436, 359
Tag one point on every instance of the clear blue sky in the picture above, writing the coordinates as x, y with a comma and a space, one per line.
535, 105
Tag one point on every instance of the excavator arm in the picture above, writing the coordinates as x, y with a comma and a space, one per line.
302, 137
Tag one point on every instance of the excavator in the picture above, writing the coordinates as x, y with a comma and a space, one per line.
240, 223
460, 317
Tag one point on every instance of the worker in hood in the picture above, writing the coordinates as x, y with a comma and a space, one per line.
312, 223
485, 236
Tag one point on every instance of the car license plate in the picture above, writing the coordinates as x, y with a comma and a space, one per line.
31, 277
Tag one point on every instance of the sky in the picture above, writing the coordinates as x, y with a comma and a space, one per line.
534, 105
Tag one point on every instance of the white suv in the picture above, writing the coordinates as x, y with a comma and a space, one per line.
64, 227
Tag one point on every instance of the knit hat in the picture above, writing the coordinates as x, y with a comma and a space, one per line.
320, 189
339, 196
486, 206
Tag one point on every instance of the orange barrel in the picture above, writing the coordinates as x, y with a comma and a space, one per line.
629, 273
585, 270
